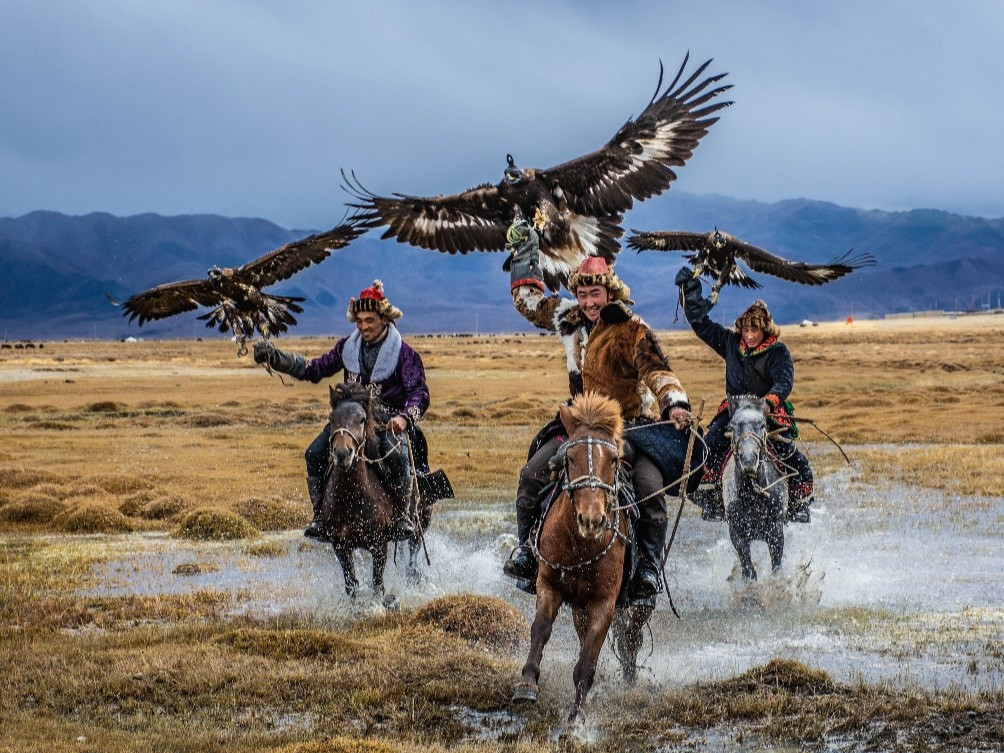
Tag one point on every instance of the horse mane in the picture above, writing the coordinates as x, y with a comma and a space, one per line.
598, 412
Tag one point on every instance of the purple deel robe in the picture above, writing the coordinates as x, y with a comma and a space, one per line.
403, 388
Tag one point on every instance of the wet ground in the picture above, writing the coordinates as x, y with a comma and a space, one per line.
899, 587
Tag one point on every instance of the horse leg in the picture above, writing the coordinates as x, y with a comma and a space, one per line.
598, 616
412, 575
548, 604
637, 616
344, 555
775, 544
379, 554
741, 542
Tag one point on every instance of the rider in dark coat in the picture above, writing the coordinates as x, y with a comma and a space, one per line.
609, 350
756, 363
376, 357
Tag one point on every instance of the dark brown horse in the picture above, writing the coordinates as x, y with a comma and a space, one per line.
582, 547
358, 511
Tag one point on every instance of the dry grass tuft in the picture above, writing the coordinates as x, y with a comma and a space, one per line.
299, 643
214, 524
90, 517
782, 674
163, 508
118, 483
274, 514
132, 504
19, 478
483, 620
105, 406
33, 511
265, 549
195, 568
206, 420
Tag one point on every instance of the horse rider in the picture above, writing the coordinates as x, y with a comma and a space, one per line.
376, 357
609, 350
756, 363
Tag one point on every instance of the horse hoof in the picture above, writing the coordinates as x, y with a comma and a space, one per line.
524, 692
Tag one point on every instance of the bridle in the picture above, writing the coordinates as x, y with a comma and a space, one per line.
590, 480
760, 438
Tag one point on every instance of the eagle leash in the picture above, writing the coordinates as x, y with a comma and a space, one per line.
694, 426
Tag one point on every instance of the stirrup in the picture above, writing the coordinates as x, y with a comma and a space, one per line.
641, 586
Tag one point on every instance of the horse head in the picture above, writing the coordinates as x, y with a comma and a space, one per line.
748, 427
350, 422
592, 455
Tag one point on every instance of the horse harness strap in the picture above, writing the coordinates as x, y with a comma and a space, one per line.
591, 480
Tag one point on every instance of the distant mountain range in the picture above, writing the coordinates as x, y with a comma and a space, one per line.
55, 269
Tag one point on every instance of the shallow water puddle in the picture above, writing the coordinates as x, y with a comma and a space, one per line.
882, 586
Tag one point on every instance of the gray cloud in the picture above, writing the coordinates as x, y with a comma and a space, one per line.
244, 108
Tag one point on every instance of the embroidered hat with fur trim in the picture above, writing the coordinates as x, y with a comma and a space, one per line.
758, 316
372, 299
594, 270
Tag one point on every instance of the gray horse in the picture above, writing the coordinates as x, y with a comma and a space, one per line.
754, 489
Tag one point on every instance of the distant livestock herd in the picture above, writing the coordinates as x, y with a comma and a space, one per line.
21, 345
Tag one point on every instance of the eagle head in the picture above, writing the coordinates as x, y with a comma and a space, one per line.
215, 273
717, 239
512, 174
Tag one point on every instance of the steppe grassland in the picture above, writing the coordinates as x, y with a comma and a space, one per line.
130, 436
152, 429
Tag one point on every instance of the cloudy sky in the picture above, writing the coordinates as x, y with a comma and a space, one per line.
250, 107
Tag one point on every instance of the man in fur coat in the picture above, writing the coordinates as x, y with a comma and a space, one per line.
756, 363
609, 350
376, 357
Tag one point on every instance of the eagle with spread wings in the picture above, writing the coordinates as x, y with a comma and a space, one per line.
577, 207
236, 293
714, 255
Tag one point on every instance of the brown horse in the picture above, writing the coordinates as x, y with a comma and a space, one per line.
582, 546
358, 511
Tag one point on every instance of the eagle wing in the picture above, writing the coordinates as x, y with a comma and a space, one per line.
760, 260
285, 261
637, 162
170, 299
702, 249
668, 240
475, 220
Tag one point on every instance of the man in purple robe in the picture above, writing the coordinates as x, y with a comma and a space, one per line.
376, 357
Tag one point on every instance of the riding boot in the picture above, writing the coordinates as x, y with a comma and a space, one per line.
800, 497
709, 498
403, 527
650, 538
315, 490
521, 563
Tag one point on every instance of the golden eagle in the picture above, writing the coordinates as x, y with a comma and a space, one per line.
236, 292
577, 207
714, 255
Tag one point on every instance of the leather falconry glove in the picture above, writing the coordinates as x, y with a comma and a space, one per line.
279, 360
695, 305
525, 245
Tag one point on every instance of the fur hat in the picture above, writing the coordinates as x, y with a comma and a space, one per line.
372, 299
758, 316
594, 270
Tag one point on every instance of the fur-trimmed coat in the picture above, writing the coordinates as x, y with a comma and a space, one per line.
618, 356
